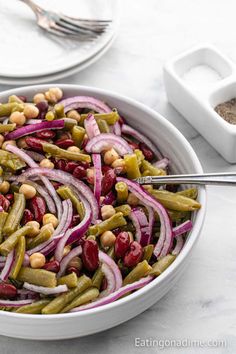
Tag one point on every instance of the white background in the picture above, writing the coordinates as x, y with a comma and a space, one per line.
202, 306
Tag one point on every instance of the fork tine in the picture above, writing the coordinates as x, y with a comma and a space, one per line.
75, 27
59, 30
96, 22
84, 25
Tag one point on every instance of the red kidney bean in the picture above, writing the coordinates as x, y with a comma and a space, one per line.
84, 143
52, 266
7, 291
90, 255
121, 120
122, 244
134, 255
64, 143
133, 145
27, 216
4, 203
45, 134
75, 220
22, 98
109, 199
172, 188
105, 168
73, 270
148, 153
60, 164
56, 185
70, 166
35, 144
38, 207
42, 106
9, 197
79, 172
108, 181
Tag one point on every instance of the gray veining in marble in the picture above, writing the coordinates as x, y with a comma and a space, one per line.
202, 305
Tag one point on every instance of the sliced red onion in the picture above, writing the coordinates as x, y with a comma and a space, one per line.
15, 303
49, 201
3, 259
33, 121
24, 294
104, 258
117, 128
85, 102
41, 247
91, 126
36, 156
74, 234
107, 141
66, 259
151, 220
166, 235
1, 209
182, 228
30, 129
115, 295
23, 156
65, 178
98, 176
179, 245
46, 291
126, 129
8, 266
163, 163
66, 204
26, 261
141, 224
109, 199
111, 282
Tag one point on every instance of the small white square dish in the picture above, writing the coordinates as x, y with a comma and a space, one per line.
196, 82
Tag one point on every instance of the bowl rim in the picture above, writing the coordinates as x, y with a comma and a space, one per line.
198, 223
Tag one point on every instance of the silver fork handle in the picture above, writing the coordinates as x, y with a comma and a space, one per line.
225, 178
37, 9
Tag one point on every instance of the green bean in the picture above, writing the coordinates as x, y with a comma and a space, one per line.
70, 123
190, 193
19, 259
61, 301
59, 110
55, 151
128, 228
6, 108
111, 252
178, 215
14, 99
122, 192
97, 278
140, 156
3, 218
162, 264
11, 241
125, 209
65, 192
86, 296
140, 271
175, 201
78, 134
50, 115
113, 222
152, 170
7, 127
34, 308
111, 118
11, 161
132, 167
43, 236
39, 277
15, 214
70, 280
147, 252
103, 126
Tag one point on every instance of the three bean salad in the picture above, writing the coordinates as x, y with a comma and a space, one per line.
76, 230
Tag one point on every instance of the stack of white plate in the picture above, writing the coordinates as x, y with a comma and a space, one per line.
29, 55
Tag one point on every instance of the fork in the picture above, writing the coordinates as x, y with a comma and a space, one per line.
224, 178
66, 26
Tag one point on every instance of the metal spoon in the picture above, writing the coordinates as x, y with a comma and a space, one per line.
224, 178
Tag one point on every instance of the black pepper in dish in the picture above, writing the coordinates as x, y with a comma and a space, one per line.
227, 110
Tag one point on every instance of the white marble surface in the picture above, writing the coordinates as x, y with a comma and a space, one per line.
202, 306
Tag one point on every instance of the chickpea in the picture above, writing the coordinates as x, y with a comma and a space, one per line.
18, 118
91, 237
10, 142
28, 191
73, 149
39, 97
75, 262
46, 163
119, 163
74, 115
4, 187
21, 143
34, 228
66, 250
48, 227
110, 156
107, 239
50, 219
31, 111
107, 211
1, 140
37, 260
132, 199
90, 175
54, 94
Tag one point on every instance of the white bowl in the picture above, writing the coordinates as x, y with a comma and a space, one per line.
184, 160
